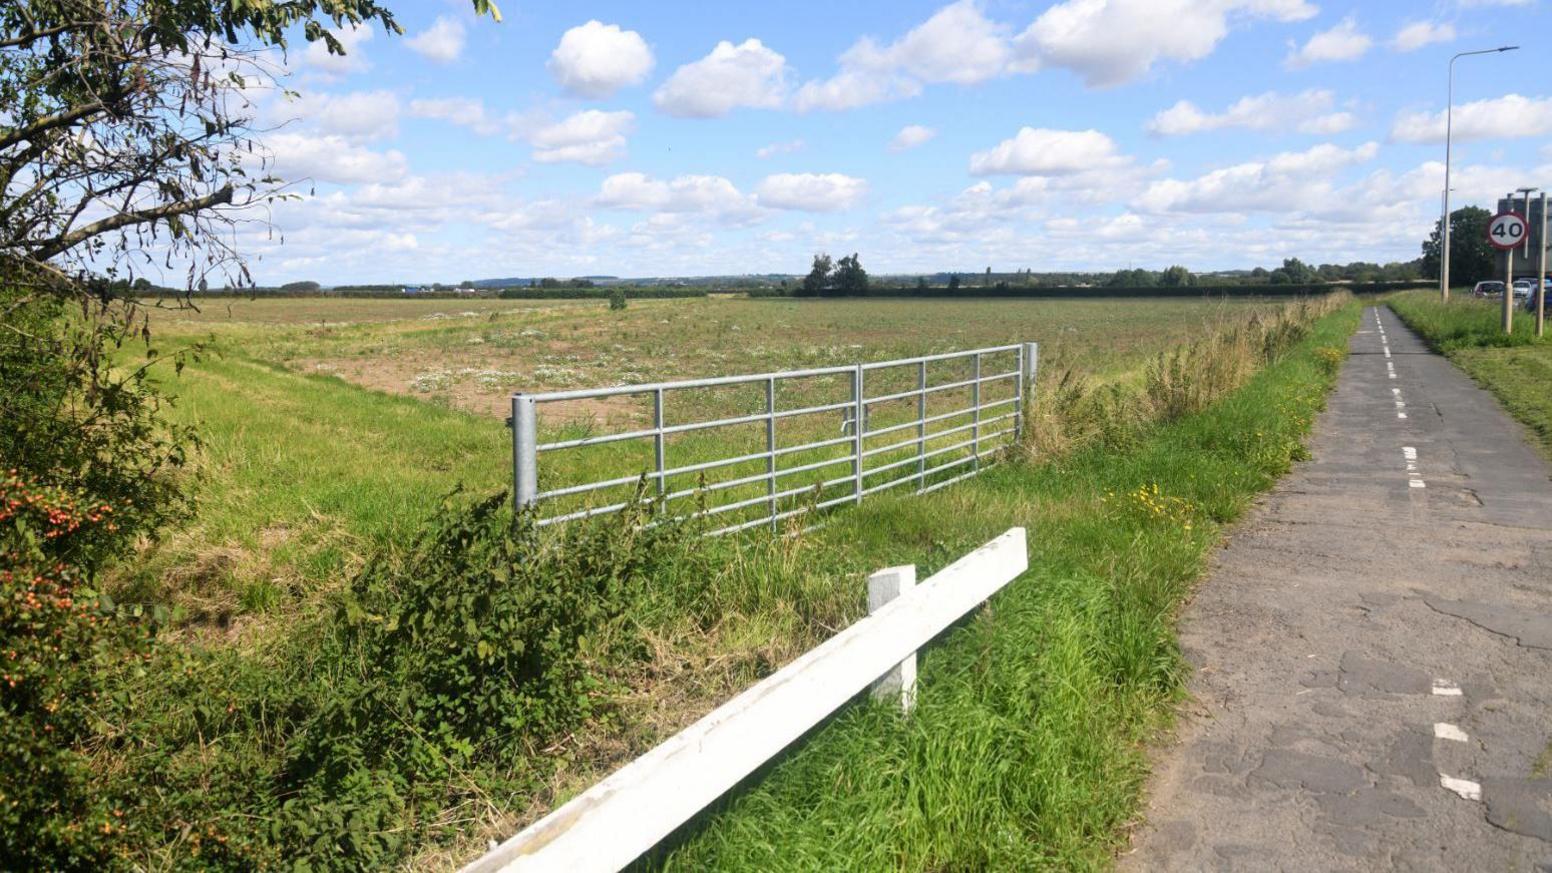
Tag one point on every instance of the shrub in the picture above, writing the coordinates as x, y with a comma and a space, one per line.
60, 641
617, 298
475, 650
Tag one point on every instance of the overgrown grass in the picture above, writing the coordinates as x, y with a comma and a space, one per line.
359, 733
1516, 368
1025, 751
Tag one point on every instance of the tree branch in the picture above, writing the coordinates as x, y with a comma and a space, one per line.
46, 249
49, 122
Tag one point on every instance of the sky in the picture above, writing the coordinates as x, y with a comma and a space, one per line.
674, 138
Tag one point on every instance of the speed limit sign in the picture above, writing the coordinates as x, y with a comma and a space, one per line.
1507, 230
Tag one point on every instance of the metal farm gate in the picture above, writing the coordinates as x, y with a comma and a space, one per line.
778, 445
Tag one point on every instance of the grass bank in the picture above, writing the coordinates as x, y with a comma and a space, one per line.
457, 687
1026, 748
1516, 367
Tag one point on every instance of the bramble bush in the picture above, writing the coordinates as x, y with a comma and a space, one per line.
59, 640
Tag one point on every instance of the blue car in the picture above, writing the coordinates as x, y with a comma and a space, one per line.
1530, 298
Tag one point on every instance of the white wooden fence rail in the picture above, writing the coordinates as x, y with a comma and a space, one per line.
611, 824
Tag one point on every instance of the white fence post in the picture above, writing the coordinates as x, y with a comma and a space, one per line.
900, 682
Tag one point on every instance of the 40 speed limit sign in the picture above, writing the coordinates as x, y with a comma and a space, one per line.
1507, 230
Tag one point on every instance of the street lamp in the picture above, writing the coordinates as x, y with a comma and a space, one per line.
1449, 126
1527, 192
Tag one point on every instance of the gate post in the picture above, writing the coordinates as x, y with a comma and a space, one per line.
525, 460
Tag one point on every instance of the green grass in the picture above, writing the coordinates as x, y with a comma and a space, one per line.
1516, 368
303, 471
1026, 748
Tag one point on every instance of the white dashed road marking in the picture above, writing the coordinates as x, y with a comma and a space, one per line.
1445, 688
1445, 731
1464, 787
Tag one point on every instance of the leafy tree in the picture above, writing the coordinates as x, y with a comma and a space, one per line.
850, 278
301, 287
818, 278
1298, 272
1177, 277
123, 133
1472, 258
953, 282
921, 283
1138, 278
617, 298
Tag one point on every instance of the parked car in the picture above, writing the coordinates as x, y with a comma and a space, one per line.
1488, 288
1546, 292
1523, 287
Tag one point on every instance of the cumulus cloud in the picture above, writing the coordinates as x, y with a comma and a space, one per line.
462, 111
442, 42
590, 137
1111, 42
713, 195
358, 116
332, 158
1511, 115
1414, 36
596, 59
957, 44
1042, 152
1309, 111
1344, 42
812, 192
351, 39
732, 76
911, 136
779, 148
1283, 183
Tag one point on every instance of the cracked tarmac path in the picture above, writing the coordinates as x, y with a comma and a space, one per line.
1373, 648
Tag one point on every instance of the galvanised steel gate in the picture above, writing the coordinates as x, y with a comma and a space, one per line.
779, 444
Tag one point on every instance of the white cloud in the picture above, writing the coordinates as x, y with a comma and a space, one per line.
911, 136
1414, 36
812, 192
332, 158
442, 42
957, 44
596, 59
1286, 182
713, 195
850, 89
1307, 112
1042, 152
357, 115
590, 137
1497, 118
1111, 42
462, 111
748, 74
351, 39
779, 148
1344, 42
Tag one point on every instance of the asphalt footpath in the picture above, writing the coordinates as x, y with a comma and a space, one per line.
1373, 648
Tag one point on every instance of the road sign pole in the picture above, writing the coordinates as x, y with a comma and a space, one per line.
1541, 270
1508, 295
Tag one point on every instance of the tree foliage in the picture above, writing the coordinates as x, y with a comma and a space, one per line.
850, 277
1471, 256
818, 278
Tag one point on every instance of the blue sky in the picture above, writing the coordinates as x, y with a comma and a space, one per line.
694, 139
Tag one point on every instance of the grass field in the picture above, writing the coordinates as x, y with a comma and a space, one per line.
303, 471
1517, 367
302, 711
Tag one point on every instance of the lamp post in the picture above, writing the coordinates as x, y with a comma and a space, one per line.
1449, 126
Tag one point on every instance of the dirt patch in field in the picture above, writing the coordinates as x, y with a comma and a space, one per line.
479, 386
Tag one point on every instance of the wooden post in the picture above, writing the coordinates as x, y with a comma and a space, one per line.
900, 682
